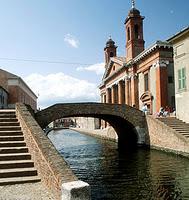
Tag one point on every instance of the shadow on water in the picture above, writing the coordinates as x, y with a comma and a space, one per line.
124, 175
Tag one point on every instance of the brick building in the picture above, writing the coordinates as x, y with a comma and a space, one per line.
13, 89
143, 76
180, 42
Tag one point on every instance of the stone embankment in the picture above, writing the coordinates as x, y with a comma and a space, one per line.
168, 134
106, 134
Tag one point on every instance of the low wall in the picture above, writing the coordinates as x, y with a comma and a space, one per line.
106, 134
162, 137
51, 167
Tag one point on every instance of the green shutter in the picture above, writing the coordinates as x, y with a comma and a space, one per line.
182, 78
179, 79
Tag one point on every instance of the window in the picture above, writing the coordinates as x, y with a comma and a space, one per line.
146, 83
128, 34
111, 54
136, 32
182, 79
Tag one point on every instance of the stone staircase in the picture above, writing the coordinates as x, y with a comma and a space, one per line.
16, 165
176, 124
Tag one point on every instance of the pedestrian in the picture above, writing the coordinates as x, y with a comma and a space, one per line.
145, 109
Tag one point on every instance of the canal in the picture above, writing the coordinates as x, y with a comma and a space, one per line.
139, 175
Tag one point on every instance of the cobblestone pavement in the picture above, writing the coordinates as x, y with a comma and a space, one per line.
28, 191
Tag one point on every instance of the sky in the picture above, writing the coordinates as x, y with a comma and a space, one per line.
57, 47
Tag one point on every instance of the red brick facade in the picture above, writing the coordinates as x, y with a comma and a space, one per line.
142, 76
18, 91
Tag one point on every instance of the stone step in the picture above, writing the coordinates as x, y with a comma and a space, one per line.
12, 144
12, 138
174, 123
7, 110
8, 116
9, 124
185, 134
16, 164
17, 172
180, 129
15, 156
10, 128
11, 133
183, 131
19, 180
8, 120
177, 125
12, 150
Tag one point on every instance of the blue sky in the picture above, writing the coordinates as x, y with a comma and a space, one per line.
75, 31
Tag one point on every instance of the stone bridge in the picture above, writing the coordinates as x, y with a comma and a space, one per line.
128, 122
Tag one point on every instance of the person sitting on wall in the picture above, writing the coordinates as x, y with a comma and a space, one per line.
145, 109
167, 111
161, 112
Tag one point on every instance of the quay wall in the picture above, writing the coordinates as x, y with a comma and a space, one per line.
105, 134
162, 137
52, 168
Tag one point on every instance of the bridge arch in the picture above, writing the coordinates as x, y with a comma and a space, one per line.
128, 122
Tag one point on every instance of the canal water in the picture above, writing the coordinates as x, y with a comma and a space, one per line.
139, 175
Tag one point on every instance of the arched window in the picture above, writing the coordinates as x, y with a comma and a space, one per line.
128, 34
136, 32
111, 54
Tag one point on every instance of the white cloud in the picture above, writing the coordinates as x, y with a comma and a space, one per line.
97, 68
60, 88
71, 40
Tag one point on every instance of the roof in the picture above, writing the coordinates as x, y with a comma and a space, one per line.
122, 60
3, 89
8, 74
157, 44
13, 76
178, 34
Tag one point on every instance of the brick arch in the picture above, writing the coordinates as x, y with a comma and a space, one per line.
128, 122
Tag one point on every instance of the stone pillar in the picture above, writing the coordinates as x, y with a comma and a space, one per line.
102, 98
116, 93
76, 190
120, 92
134, 91
108, 95
127, 86
161, 85
113, 94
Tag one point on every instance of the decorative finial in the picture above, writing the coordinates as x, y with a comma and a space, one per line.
133, 3
110, 37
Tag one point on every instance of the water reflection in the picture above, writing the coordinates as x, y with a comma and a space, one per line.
138, 175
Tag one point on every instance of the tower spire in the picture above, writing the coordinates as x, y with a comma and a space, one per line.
133, 3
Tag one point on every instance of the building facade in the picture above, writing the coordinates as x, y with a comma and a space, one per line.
87, 123
17, 90
180, 42
143, 76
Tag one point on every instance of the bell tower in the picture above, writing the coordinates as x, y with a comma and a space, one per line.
110, 50
134, 33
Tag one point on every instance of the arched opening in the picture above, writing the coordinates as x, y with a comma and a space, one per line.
128, 34
116, 129
136, 29
111, 54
